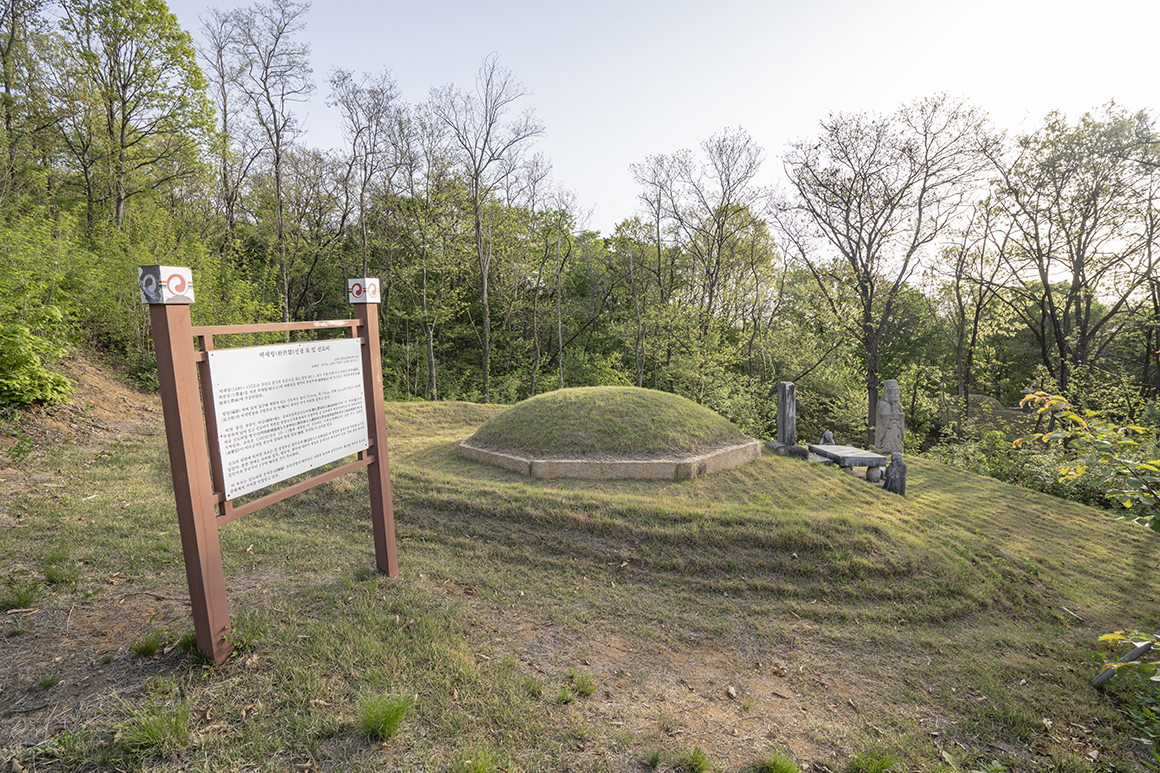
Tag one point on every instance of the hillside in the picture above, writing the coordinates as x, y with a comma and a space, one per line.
777, 606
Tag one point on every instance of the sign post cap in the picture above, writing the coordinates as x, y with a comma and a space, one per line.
165, 284
362, 290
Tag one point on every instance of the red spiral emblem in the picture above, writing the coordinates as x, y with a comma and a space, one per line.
176, 284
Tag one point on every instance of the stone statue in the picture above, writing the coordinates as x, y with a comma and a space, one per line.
889, 421
827, 438
894, 479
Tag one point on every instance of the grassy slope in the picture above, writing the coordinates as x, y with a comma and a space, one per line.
956, 620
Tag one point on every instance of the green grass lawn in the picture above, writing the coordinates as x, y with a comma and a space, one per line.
781, 610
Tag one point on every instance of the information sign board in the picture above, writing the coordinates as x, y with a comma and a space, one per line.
285, 409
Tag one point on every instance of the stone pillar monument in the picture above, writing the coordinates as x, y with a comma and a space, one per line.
786, 413
889, 421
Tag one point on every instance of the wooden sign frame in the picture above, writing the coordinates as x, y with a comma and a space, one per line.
191, 433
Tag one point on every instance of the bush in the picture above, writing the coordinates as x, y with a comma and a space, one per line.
23, 378
995, 455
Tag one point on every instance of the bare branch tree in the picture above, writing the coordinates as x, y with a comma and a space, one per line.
869, 194
275, 76
485, 140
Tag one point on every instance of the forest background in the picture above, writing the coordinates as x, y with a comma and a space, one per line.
926, 245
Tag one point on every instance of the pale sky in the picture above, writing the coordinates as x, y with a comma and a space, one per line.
617, 81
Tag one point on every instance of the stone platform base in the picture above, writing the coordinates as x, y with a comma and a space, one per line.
673, 468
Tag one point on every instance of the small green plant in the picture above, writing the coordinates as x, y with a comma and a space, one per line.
871, 762
583, 682
476, 761
160, 686
20, 591
776, 763
62, 574
534, 687
148, 646
156, 731
654, 760
107, 658
188, 641
992, 767
380, 716
1111, 454
75, 747
242, 636
565, 695
23, 379
695, 762
21, 449
49, 680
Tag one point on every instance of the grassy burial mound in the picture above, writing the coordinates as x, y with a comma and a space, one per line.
610, 432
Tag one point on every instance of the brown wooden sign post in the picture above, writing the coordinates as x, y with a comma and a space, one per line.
195, 456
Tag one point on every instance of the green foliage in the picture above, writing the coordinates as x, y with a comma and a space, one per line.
149, 645
381, 716
477, 760
992, 453
20, 590
156, 731
871, 762
1111, 454
61, 573
775, 763
28, 319
23, 378
694, 762
187, 642
1137, 686
583, 682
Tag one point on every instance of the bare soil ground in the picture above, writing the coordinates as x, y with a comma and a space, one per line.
83, 642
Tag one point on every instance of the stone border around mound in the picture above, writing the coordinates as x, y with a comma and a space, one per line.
680, 468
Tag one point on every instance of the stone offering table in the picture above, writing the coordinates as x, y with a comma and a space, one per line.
848, 457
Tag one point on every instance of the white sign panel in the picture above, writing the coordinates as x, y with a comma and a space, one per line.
286, 409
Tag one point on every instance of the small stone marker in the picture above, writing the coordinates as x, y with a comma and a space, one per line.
889, 420
786, 413
786, 443
895, 478
827, 439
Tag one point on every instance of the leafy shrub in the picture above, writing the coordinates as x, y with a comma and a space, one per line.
23, 378
995, 455
1134, 685
1119, 462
